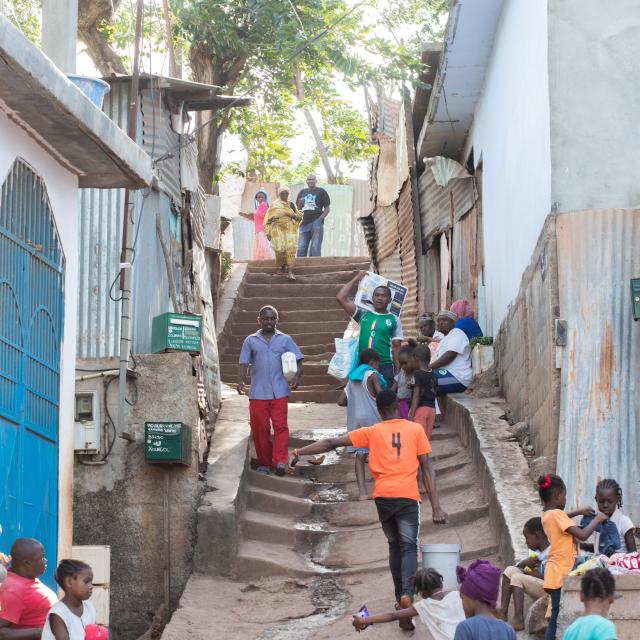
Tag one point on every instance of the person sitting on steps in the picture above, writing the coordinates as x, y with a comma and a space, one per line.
397, 448
526, 577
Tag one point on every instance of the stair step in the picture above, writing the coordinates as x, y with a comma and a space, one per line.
336, 314
288, 302
258, 558
289, 290
318, 261
314, 349
322, 338
328, 382
313, 270
275, 502
292, 486
334, 327
303, 276
257, 525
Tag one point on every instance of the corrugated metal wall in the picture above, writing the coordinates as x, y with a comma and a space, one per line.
600, 406
406, 232
338, 226
100, 232
158, 138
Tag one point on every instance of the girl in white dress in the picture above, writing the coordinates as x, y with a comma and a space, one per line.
68, 619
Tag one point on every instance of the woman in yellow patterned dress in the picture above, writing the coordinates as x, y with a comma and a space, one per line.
281, 226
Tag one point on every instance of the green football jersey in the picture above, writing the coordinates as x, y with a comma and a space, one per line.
377, 331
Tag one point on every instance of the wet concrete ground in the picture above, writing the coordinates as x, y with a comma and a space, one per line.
311, 554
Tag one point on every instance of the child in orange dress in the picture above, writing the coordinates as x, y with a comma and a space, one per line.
562, 533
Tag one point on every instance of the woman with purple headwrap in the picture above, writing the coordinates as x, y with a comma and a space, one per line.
479, 588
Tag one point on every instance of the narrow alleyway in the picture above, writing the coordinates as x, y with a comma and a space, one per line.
310, 554
308, 312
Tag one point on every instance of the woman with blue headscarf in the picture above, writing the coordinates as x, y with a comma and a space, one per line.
261, 247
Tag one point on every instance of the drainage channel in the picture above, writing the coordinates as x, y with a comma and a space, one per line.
330, 602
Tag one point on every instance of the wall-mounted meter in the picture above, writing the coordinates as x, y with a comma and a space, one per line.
635, 298
87, 422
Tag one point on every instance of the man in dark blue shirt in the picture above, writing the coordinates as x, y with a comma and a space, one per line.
314, 202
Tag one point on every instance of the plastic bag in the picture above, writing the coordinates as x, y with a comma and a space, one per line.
345, 358
289, 365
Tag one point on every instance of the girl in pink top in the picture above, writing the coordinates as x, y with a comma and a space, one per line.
261, 247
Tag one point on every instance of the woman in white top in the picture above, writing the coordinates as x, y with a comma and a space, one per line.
440, 611
68, 619
452, 364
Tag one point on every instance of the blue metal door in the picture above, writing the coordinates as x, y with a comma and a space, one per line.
31, 322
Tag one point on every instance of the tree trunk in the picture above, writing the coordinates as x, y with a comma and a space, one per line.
92, 15
223, 73
322, 150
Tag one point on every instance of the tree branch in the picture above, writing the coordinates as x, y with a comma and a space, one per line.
322, 150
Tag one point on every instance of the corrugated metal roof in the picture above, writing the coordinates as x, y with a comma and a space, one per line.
435, 207
598, 438
158, 139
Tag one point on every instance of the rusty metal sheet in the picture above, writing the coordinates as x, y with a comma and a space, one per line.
463, 251
436, 211
386, 225
408, 256
362, 202
430, 295
599, 409
463, 193
369, 231
387, 175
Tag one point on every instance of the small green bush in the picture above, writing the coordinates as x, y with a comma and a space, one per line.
485, 341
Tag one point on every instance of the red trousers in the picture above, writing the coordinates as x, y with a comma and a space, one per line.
263, 414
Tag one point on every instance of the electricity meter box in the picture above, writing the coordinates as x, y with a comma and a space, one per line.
635, 297
167, 443
176, 332
87, 426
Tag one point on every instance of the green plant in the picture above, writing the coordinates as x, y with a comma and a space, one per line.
484, 341
225, 266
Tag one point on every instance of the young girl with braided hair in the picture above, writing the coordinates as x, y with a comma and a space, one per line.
609, 501
440, 611
597, 592
562, 533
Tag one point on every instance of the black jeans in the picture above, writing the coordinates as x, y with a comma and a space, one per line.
555, 610
400, 519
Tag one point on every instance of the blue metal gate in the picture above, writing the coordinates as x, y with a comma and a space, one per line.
31, 322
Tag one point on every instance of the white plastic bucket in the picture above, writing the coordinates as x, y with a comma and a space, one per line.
444, 558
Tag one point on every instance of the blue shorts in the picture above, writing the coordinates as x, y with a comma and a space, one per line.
447, 383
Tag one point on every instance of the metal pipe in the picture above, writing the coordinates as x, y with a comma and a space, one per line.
100, 374
167, 541
126, 255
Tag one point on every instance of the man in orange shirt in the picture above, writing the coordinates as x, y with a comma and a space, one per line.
397, 448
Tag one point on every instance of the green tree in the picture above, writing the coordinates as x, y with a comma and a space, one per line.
26, 16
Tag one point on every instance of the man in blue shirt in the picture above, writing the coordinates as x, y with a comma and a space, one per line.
270, 391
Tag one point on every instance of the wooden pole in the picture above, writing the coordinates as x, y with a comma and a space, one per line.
168, 32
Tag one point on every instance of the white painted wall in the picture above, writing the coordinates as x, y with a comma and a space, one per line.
510, 134
62, 187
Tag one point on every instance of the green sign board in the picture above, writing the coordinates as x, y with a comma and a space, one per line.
176, 332
167, 442
635, 297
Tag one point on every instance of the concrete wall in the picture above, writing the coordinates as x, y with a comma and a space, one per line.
62, 187
510, 135
594, 47
525, 349
121, 503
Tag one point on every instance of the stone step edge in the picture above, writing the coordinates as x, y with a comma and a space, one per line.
501, 466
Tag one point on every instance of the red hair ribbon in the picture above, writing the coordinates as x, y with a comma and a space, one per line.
546, 483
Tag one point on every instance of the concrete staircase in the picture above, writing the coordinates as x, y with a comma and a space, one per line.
312, 523
309, 313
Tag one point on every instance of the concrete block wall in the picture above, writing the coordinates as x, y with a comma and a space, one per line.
525, 348
121, 503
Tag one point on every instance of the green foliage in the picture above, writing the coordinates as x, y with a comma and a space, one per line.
225, 265
485, 341
120, 33
345, 133
26, 15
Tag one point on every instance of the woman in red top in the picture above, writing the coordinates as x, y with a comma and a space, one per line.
261, 247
